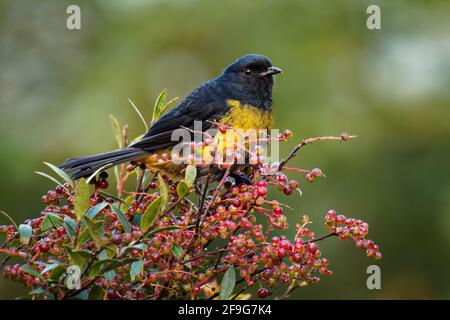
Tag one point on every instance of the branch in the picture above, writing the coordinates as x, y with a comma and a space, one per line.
216, 193
293, 153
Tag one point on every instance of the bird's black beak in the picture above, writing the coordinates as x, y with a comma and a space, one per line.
270, 71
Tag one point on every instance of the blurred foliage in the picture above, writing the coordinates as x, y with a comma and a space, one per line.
390, 87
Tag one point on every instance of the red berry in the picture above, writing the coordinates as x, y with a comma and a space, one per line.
44, 246
316, 172
312, 247
223, 129
285, 244
345, 136
103, 184
287, 190
293, 184
135, 204
260, 201
236, 203
281, 178
297, 257
155, 257
287, 134
116, 239
263, 293
261, 183
331, 214
112, 295
153, 185
278, 211
262, 191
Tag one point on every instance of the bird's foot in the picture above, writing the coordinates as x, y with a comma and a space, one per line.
240, 178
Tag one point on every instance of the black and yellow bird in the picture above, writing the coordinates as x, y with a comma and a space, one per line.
240, 97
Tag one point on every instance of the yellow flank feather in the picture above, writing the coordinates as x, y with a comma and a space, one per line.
245, 116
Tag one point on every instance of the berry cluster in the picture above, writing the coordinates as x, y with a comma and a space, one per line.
156, 242
355, 229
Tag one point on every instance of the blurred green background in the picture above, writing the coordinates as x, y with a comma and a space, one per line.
388, 86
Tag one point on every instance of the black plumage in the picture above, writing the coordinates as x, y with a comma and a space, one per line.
248, 80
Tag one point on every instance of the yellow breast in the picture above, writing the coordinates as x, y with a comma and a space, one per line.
245, 116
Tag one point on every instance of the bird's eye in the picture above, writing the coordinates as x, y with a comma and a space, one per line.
247, 72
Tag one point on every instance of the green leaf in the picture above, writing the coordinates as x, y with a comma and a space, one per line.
110, 250
169, 104
49, 177
80, 257
38, 290
190, 175
127, 202
137, 268
140, 246
50, 267
139, 137
151, 214
118, 263
139, 113
82, 196
117, 131
83, 295
31, 271
51, 220
166, 228
159, 105
146, 177
228, 282
92, 227
116, 174
70, 226
177, 251
182, 189
122, 218
85, 234
164, 192
187, 264
93, 211
57, 272
60, 173
25, 231
97, 267
10, 219
110, 275
96, 293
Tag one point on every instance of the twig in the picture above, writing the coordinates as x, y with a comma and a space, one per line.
145, 191
323, 237
240, 292
288, 291
201, 204
139, 184
122, 174
216, 191
294, 151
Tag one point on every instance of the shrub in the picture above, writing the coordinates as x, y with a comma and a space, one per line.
171, 239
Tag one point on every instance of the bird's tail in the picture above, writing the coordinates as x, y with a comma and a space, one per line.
85, 166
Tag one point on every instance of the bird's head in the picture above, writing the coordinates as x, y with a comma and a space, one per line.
250, 79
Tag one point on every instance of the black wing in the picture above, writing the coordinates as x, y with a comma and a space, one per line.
159, 136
